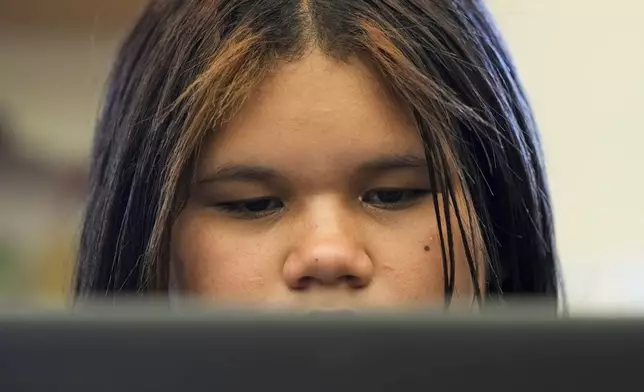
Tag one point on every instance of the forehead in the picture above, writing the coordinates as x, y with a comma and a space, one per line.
315, 112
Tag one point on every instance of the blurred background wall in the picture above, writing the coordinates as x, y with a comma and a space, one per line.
581, 63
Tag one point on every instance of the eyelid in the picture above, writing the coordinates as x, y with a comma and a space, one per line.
418, 193
398, 189
230, 207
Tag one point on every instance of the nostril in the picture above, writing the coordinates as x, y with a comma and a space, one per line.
304, 282
352, 281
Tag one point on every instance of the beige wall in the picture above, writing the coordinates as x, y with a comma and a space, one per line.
582, 63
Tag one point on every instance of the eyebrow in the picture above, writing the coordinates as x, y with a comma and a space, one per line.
235, 172
394, 162
257, 173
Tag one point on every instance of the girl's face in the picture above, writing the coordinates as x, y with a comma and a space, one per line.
315, 195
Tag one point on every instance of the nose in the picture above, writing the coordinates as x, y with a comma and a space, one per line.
328, 256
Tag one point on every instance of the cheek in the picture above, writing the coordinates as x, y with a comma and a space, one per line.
410, 262
406, 269
218, 263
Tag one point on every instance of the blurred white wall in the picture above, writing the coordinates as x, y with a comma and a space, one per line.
581, 61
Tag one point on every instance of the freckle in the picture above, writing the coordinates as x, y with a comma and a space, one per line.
316, 260
426, 248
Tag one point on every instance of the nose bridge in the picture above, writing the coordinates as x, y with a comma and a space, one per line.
328, 250
328, 217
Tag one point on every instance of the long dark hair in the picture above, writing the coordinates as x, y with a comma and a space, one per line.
188, 65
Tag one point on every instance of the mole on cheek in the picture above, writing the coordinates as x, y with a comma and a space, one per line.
426, 248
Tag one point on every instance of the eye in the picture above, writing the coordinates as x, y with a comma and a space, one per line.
393, 198
252, 208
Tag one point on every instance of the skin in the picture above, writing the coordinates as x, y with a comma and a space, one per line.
315, 144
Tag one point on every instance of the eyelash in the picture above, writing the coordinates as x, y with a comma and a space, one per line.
408, 196
238, 207
405, 198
